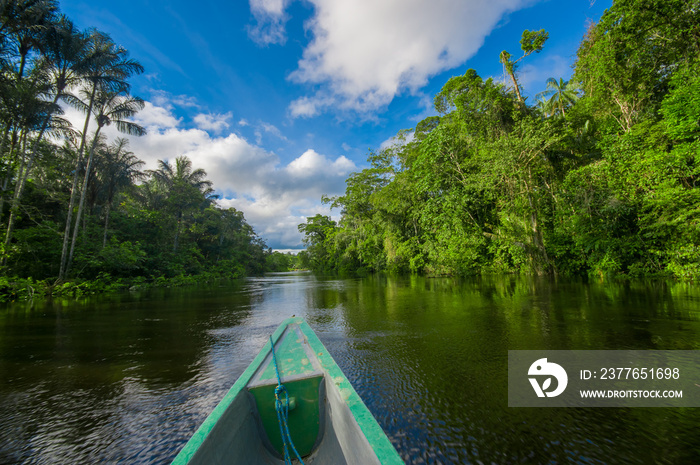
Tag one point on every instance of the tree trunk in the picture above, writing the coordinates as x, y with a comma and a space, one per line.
177, 231
104, 237
69, 220
71, 204
82, 199
14, 205
517, 88
537, 240
22, 180
7, 175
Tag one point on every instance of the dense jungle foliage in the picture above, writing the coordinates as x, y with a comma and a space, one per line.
597, 176
75, 205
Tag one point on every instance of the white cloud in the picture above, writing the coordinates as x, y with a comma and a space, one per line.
213, 122
274, 196
268, 129
398, 141
365, 52
311, 164
156, 117
270, 20
271, 129
168, 101
307, 107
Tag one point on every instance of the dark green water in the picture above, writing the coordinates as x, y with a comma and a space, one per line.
129, 378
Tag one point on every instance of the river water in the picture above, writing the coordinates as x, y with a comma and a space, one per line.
128, 378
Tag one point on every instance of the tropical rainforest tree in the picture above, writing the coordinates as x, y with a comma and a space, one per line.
64, 61
608, 187
531, 42
108, 107
124, 228
118, 169
558, 96
186, 188
105, 84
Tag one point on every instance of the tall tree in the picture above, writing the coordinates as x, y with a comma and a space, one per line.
118, 170
109, 107
186, 188
23, 24
625, 61
559, 95
65, 61
110, 67
531, 42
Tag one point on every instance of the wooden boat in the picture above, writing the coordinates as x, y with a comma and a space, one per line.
328, 422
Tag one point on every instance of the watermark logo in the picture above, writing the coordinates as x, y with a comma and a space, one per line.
543, 368
604, 378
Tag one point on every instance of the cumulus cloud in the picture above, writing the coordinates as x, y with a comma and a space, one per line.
364, 52
311, 164
273, 195
213, 122
156, 117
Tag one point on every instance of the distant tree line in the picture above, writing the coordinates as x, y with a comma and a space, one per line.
597, 176
74, 205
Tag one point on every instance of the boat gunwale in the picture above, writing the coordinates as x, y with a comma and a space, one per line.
374, 434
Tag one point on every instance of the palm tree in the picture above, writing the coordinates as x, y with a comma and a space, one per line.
151, 194
186, 189
108, 71
23, 24
64, 62
559, 95
30, 111
545, 106
108, 107
118, 171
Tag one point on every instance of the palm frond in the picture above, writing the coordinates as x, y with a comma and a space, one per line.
75, 102
127, 127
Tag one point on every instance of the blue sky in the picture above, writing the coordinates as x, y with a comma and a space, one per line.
280, 100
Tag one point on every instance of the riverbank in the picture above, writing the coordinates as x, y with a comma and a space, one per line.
22, 289
18, 289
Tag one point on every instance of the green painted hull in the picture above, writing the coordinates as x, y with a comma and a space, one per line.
328, 421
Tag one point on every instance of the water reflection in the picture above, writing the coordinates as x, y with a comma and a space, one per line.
129, 378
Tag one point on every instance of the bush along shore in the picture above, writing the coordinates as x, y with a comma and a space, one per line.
20, 289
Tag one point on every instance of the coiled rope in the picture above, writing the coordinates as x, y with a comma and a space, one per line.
282, 408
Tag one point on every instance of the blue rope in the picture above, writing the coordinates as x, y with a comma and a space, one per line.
282, 408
